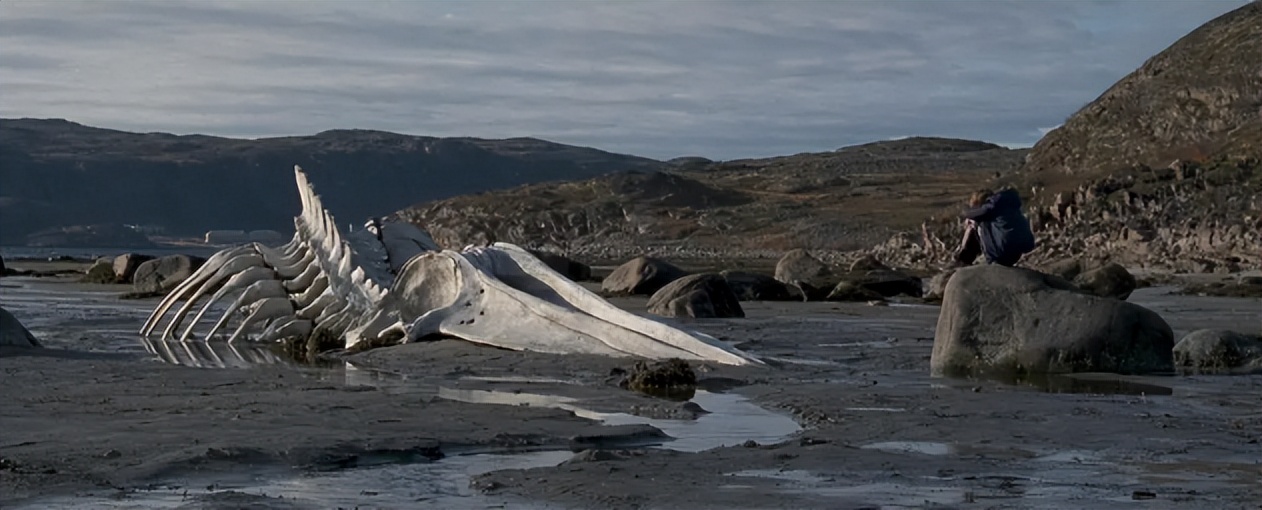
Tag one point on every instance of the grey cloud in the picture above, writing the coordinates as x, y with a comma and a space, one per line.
723, 80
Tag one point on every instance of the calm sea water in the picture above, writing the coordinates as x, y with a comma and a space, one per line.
26, 252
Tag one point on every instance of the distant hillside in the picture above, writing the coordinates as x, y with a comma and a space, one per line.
57, 173
842, 200
1199, 99
1162, 171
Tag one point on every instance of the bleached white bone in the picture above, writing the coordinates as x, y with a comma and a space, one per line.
303, 280
261, 311
316, 308
286, 328
246, 302
237, 282
240, 268
255, 291
198, 277
316, 290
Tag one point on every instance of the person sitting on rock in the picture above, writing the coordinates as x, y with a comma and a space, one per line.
995, 226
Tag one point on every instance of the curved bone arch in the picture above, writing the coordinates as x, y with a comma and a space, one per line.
390, 282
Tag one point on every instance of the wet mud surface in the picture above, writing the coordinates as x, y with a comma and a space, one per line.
844, 416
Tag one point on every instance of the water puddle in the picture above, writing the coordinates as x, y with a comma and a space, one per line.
729, 419
920, 447
880, 344
803, 361
442, 484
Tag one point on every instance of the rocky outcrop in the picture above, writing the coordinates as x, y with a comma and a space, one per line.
641, 276
572, 269
13, 333
164, 274
1219, 350
1199, 97
1012, 320
701, 296
758, 287
125, 266
1162, 172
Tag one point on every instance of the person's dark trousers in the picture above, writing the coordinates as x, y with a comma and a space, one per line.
970, 247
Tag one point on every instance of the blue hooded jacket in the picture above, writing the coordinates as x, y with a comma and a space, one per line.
1005, 232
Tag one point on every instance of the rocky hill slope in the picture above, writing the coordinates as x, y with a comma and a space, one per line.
55, 173
1162, 171
835, 201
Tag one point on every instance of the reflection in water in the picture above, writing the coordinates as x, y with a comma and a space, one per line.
207, 354
1091, 383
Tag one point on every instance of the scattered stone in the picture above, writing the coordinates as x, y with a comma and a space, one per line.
878, 302
799, 269
1216, 349
13, 333
701, 296
164, 274
867, 263
1104, 279
851, 291
1250, 280
125, 266
758, 287
593, 455
937, 286
570, 268
102, 271
1222, 289
641, 276
890, 283
1012, 320
673, 379
1111, 280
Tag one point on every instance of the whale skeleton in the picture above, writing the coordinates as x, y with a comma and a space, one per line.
390, 282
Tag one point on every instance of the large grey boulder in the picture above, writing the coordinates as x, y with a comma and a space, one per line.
758, 287
1013, 320
125, 266
810, 275
165, 273
1217, 349
642, 275
701, 296
13, 333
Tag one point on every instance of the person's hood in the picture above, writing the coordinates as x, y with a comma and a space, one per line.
1007, 199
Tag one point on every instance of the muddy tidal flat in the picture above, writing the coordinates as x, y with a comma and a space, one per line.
843, 416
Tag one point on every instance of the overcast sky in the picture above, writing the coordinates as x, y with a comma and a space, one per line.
721, 79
